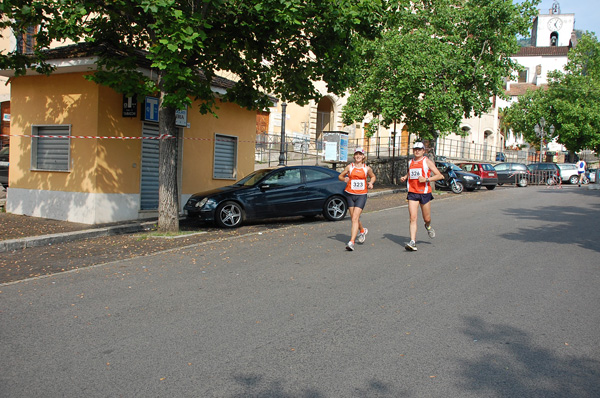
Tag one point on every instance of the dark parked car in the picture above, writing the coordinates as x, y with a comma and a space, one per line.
273, 192
470, 181
4, 166
486, 171
544, 173
512, 173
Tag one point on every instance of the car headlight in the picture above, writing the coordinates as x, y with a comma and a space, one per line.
468, 178
201, 203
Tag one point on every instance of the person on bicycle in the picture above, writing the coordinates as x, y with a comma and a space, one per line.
421, 173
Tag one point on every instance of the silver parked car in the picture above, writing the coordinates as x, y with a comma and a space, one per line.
568, 172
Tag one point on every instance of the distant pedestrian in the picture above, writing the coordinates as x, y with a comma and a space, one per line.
581, 171
355, 176
421, 173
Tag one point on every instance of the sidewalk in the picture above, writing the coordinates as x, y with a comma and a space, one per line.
20, 232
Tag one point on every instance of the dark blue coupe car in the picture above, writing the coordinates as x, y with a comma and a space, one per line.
270, 193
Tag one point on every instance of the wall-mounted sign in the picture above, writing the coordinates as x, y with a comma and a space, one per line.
181, 118
130, 106
151, 113
6, 117
151, 109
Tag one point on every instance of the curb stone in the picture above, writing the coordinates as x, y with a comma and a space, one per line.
45, 240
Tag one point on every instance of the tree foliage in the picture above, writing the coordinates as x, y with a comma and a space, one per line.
444, 61
523, 115
571, 102
277, 47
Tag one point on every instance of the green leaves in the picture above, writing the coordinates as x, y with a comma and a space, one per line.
444, 60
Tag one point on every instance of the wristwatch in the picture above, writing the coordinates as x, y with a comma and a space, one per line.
427, 179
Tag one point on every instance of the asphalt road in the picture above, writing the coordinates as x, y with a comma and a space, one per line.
502, 303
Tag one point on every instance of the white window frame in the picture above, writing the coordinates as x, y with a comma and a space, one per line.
60, 144
220, 172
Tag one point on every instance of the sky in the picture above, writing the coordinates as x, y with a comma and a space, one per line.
587, 13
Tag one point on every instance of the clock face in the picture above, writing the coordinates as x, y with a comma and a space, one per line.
554, 24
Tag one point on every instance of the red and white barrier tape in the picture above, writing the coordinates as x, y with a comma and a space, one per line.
161, 137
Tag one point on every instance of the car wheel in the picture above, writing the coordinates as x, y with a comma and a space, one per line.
490, 187
229, 215
522, 182
335, 208
574, 180
457, 187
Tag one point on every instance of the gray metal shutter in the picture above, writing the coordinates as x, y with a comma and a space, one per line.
150, 155
225, 157
52, 153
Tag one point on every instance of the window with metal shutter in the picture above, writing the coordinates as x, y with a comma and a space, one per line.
51, 153
225, 164
149, 175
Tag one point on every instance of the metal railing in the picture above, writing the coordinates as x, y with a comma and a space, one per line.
311, 151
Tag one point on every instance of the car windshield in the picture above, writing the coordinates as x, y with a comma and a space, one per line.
454, 167
253, 178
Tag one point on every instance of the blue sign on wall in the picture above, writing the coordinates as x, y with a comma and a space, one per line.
151, 109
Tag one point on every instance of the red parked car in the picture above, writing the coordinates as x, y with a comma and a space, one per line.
486, 171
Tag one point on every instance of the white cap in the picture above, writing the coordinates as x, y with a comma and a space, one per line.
419, 145
359, 149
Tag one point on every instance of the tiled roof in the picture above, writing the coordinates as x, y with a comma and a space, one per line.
521, 88
541, 51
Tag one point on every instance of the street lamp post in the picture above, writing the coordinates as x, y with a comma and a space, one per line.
282, 147
539, 131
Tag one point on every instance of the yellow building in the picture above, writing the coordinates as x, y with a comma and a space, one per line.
105, 168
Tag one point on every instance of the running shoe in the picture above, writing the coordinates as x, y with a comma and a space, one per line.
362, 236
430, 231
350, 246
411, 246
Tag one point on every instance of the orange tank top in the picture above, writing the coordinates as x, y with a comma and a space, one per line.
416, 169
357, 185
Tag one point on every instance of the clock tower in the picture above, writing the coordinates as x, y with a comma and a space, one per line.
552, 29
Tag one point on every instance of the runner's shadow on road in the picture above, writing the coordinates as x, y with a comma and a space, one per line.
340, 237
400, 240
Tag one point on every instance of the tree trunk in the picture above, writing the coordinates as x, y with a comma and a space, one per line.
168, 203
